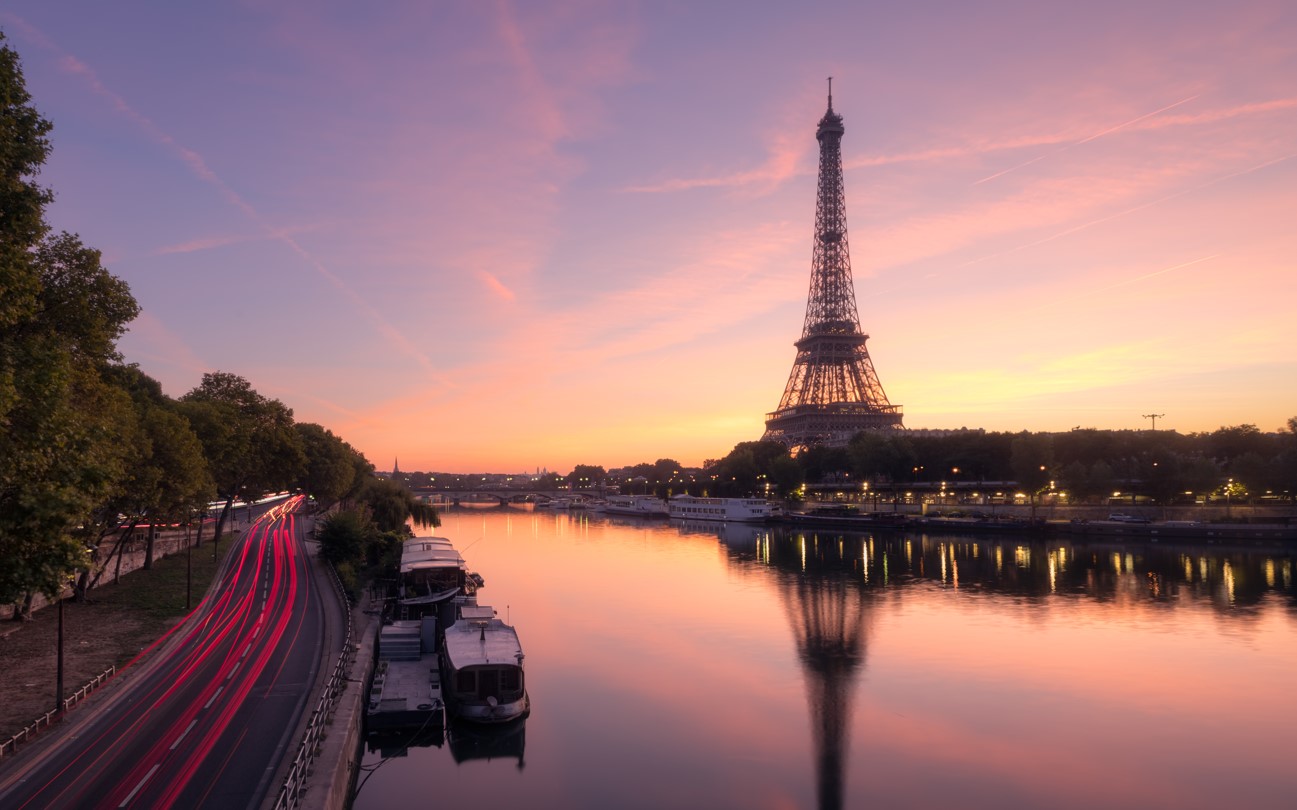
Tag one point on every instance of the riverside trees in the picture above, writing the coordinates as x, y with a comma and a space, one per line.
60, 316
1088, 463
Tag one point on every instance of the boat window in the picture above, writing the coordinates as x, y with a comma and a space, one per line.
489, 684
466, 681
510, 680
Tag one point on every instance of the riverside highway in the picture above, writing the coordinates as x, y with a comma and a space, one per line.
208, 720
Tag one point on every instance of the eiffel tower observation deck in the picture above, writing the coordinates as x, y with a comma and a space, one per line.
833, 392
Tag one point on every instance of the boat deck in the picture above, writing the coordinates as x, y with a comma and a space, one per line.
406, 690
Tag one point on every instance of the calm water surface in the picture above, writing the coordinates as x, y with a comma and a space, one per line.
701, 665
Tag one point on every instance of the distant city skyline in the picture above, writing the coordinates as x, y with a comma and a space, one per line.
502, 236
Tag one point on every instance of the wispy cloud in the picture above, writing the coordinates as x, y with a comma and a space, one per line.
784, 155
495, 285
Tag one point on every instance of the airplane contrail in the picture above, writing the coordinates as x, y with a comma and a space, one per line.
1085, 140
1146, 276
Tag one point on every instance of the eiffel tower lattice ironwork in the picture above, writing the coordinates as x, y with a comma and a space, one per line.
833, 392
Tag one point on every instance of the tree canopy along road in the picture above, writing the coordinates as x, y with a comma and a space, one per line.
207, 722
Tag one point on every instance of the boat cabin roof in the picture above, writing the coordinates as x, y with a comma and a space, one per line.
429, 552
480, 641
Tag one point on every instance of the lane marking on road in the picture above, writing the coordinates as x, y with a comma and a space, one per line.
212, 699
245, 650
236, 669
185, 733
146, 778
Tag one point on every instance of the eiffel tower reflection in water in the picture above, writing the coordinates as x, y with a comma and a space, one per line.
830, 583
828, 612
822, 584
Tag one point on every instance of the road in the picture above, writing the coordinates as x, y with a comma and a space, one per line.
208, 720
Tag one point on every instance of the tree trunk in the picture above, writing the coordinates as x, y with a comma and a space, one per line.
121, 540
24, 611
220, 525
148, 546
82, 586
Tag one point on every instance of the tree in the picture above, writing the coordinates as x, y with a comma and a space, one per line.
879, 456
61, 314
330, 470
1032, 455
750, 466
391, 505
250, 442
24, 146
585, 476
344, 535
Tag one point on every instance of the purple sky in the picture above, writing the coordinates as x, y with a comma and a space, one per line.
488, 235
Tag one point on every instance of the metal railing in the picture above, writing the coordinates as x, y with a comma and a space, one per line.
290, 793
9, 746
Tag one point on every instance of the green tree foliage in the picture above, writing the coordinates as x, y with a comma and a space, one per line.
881, 457
585, 476
344, 535
1032, 458
752, 465
391, 505
330, 471
826, 464
250, 442
61, 314
24, 146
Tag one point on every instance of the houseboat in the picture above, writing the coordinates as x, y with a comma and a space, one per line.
481, 668
432, 571
740, 510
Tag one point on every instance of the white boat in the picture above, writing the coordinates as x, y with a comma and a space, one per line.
433, 571
481, 668
741, 510
636, 505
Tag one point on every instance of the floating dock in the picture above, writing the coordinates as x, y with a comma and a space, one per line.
406, 692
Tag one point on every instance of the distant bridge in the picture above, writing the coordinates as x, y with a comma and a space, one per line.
500, 497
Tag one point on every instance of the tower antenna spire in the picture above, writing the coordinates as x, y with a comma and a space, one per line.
830, 92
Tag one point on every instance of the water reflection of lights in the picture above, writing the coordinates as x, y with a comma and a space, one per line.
1053, 574
1227, 572
1022, 556
1269, 573
942, 550
999, 559
1188, 568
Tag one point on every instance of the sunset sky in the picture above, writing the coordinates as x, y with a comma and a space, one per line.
509, 235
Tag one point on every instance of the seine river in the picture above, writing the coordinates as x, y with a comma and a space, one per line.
723, 666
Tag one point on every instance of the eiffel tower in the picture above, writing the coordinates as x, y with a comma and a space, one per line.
833, 392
